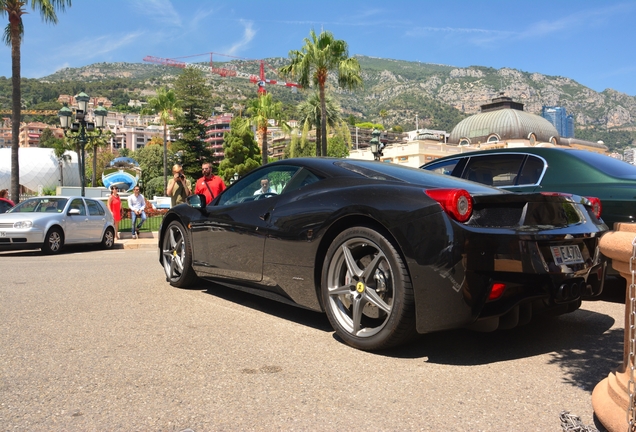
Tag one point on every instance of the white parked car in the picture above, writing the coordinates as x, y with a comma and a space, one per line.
50, 222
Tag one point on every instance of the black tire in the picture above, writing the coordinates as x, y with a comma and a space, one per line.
176, 252
367, 291
109, 238
53, 241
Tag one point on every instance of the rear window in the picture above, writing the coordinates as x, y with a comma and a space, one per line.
494, 170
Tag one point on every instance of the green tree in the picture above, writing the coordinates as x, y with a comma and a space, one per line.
60, 149
310, 114
337, 147
240, 149
369, 125
150, 160
45, 137
95, 141
383, 115
261, 110
320, 55
168, 107
299, 146
13, 34
102, 161
194, 94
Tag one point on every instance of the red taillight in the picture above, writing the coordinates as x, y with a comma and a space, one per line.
496, 291
457, 203
597, 208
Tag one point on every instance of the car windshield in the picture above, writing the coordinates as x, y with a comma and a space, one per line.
40, 205
608, 165
394, 172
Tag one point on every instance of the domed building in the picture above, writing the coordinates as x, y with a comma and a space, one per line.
504, 122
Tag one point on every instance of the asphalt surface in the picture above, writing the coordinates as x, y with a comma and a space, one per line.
97, 340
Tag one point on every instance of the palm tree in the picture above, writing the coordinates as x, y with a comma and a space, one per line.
59, 149
310, 114
94, 141
383, 114
166, 105
13, 33
320, 55
261, 111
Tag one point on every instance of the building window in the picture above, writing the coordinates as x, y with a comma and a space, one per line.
532, 138
493, 138
464, 142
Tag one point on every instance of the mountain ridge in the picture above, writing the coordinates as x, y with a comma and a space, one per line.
441, 95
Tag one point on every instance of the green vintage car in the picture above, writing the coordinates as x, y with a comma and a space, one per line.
549, 169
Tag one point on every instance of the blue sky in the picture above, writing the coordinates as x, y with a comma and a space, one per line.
592, 42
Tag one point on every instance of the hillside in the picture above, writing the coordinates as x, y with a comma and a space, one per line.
440, 95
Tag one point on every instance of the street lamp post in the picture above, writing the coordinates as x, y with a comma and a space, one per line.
81, 126
376, 147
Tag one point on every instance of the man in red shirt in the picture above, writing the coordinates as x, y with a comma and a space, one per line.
209, 185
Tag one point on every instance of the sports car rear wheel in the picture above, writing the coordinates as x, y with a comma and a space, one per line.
177, 256
367, 291
53, 241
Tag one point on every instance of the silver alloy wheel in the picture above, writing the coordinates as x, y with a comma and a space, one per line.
109, 239
174, 251
54, 240
360, 287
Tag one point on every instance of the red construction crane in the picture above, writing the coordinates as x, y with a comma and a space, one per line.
261, 80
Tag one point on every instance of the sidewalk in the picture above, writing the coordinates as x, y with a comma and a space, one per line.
145, 240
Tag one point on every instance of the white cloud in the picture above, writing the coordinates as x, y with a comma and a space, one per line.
91, 47
199, 15
160, 11
248, 35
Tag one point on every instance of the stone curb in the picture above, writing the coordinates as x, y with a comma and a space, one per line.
144, 241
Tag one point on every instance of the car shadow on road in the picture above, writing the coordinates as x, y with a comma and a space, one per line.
288, 312
581, 343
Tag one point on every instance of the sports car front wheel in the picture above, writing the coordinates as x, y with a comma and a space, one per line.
367, 291
177, 256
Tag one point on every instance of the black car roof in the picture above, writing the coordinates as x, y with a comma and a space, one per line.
357, 168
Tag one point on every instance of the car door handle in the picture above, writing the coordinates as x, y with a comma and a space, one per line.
264, 216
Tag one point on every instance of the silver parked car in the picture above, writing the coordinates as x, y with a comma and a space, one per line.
50, 222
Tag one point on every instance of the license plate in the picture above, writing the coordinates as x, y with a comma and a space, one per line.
3, 234
567, 255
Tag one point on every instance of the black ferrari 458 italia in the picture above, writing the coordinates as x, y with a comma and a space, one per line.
387, 251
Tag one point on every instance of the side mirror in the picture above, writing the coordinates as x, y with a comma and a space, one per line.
73, 212
196, 201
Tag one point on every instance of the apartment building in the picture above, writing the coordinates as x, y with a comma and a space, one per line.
217, 126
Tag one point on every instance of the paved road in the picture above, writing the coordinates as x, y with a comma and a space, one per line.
97, 340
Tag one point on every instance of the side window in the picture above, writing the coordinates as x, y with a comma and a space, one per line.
302, 178
531, 172
444, 167
494, 170
94, 208
259, 185
78, 204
